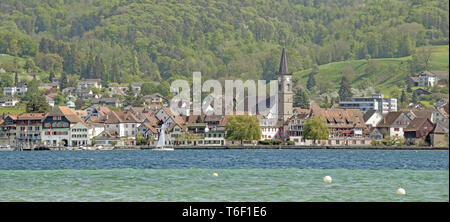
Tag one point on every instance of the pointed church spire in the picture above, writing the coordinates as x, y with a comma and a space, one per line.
283, 63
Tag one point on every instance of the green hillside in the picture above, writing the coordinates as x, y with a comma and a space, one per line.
154, 40
389, 76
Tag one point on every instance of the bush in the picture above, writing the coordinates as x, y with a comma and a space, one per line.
290, 143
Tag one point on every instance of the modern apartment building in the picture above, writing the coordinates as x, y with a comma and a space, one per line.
376, 102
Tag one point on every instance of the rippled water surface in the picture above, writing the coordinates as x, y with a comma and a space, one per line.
244, 175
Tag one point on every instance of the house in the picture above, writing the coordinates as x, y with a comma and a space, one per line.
83, 93
50, 101
117, 90
154, 98
417, 131
96, 110
439, 115
414, 81
80, 134
122, 122
427, 78
90, 83
136, 87
147, 130
372, 118
15, 90
176, 123
68, 90
28, 129
49, 86
295, 126
8, 129
214, 138
106, 101
57, 126
439, 136
8, 101
393, 124
56, 80
108, 138
377, 133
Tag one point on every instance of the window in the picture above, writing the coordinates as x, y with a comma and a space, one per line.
396, 129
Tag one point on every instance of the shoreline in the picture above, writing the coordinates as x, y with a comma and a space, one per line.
257, 147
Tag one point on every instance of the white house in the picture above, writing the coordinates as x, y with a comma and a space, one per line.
8, 101
125, 123
90, 83
11, 91
427, 78
372, 118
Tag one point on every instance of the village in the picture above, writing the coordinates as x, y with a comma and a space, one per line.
108, 123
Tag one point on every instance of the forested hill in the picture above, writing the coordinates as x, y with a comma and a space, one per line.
153, 40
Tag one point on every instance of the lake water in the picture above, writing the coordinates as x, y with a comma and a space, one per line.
244, 175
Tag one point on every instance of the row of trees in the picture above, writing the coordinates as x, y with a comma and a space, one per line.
124, 41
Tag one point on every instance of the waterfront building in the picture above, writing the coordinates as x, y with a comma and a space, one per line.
417, 131
394, 123
376, 102
296, 125
438, 137
125, 123
346, 126
108, 138
57, 125
8, 129
29, 126
80, 134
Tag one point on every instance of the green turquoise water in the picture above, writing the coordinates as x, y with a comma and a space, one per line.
244, 175
136, 185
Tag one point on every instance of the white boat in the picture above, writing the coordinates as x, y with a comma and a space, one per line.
161, 145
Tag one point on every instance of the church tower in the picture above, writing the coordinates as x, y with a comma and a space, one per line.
285, 95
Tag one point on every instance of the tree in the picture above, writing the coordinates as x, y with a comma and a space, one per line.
140, 140
301, 99
403, 97
131, 99
51, 76
414, 98
148, 88
37, 104
16, 79
63, 81
243, 128
345, 90
311, 81
315, 128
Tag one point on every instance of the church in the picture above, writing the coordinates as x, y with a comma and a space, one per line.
276, 127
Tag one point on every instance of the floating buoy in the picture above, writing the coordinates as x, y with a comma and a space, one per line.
327, 179
215, 174
401, 191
